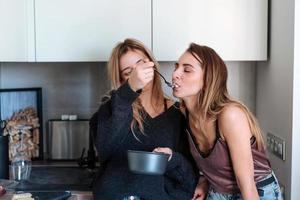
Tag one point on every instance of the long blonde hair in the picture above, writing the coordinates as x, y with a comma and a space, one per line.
157, 96
214, 95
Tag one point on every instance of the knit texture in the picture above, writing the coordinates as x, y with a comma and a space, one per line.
113, 137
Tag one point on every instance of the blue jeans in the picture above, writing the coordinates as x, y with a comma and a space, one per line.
270, 192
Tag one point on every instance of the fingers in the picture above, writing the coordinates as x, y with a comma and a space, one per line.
157, 150
199, 194
144, 69
141, 75
160, 150
197, 197
145, 73
164, 150
145, 76
145, 64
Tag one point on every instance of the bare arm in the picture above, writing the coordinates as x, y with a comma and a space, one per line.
235, 128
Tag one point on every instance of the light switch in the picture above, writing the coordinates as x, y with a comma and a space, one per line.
276, 145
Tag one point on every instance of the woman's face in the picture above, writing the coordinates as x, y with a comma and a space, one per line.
128, 62
187, 77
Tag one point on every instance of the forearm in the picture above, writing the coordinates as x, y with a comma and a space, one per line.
250, 195
248, 190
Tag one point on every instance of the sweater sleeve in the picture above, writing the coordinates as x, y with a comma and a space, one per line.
182, 170
113, 121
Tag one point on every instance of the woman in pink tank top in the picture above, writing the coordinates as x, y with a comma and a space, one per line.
225, 138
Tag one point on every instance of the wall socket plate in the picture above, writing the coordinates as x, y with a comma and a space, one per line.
276, 145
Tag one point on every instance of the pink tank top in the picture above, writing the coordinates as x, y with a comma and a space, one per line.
217, 166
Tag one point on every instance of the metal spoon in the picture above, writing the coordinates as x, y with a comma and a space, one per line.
167, 82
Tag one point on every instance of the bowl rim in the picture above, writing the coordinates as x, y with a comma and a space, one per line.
148, 152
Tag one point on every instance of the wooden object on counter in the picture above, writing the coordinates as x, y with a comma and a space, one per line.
22, 196
29, 133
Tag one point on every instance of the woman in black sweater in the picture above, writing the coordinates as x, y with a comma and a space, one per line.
136, 116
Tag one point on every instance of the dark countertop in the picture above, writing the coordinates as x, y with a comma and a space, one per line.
53, 195
58, 178
55, 181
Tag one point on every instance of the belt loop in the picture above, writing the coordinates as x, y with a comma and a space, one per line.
260, 192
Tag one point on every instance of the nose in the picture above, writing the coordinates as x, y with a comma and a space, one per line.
176, 75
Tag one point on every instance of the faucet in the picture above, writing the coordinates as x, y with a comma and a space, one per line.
90, 160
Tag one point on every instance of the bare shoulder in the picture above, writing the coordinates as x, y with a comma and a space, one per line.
231, 113
233, 120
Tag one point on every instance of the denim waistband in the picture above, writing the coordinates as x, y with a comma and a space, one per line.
265, 182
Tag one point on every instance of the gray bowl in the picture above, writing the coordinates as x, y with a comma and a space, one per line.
144, 162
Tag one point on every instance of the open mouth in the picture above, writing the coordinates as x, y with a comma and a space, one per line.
175, 86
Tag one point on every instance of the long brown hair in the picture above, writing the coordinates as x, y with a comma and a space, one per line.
157, 95
214, 95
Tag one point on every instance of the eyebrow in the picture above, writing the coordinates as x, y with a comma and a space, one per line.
185, 65
188, 65
130, 66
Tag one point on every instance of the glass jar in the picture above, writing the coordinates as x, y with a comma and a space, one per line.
20, 167
21, 162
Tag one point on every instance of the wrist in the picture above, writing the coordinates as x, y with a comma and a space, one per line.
132, 86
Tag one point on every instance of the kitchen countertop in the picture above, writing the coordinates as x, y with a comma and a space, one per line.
58, 177
55, 179
40, 195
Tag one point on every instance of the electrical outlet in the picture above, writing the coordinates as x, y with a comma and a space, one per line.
276, 145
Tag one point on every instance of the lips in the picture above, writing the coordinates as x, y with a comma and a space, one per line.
175, 86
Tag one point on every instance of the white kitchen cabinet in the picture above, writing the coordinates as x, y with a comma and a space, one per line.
17, 30
236, 29
87, 30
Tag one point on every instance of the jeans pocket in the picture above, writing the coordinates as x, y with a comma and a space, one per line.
271, 191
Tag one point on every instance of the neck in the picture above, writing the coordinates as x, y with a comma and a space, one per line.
191, 105
146, 96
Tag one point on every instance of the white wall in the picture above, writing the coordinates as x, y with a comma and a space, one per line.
275, 86
295, 192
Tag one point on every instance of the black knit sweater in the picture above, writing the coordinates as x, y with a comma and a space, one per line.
113, 137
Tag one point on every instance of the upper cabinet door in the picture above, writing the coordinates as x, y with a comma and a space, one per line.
236, 29
88, 30
17, 30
